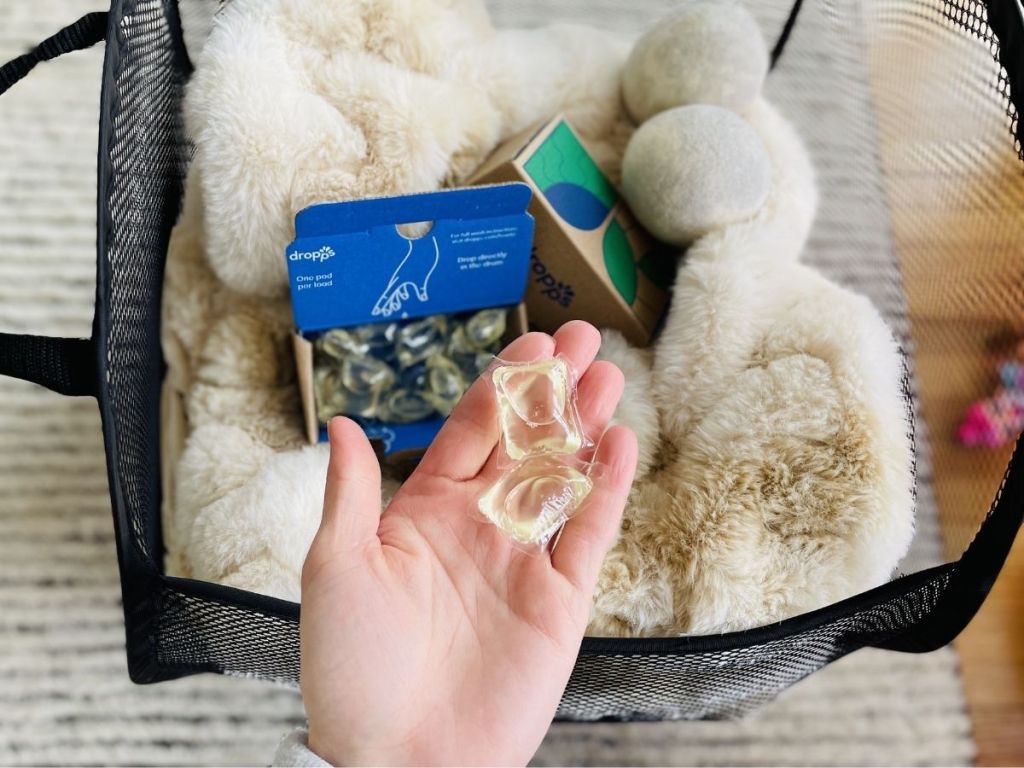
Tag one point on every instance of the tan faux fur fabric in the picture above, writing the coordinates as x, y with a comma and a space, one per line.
769, 412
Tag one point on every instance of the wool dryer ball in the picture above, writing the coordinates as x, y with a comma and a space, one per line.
706, 52
691, 170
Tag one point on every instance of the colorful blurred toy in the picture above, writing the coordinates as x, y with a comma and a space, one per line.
999, 419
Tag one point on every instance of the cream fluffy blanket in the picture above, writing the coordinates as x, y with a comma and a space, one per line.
775, 467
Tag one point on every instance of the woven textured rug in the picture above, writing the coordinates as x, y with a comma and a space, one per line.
65, 697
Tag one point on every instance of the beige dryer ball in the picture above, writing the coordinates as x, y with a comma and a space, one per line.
691, 170
705, 52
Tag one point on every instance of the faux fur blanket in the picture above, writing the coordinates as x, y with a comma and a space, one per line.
775, 472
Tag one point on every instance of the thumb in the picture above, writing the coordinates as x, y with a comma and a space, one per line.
352, 495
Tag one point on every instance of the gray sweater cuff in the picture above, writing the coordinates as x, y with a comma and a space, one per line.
293, 752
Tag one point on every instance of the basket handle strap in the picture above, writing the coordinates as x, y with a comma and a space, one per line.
84, 33
787, 30
67, 366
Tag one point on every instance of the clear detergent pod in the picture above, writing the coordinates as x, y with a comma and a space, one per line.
542, 480
537, 409
406, 371
532, 500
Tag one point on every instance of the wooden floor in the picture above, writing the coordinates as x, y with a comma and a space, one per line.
992, 655
965, 482
955, 361
954, 185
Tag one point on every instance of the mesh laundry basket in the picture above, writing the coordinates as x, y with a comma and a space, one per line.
875, 94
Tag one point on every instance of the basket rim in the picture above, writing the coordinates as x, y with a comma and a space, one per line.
967, 580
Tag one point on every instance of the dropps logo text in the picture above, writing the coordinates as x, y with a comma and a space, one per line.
320, 256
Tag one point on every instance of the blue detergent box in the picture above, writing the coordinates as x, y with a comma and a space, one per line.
396, 259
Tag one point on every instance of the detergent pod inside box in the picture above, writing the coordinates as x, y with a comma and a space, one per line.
401, 302
592, 260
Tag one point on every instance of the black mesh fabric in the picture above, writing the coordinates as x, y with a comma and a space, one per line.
179, 627
140, 181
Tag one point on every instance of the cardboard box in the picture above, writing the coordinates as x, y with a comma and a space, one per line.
592, 260
396, 259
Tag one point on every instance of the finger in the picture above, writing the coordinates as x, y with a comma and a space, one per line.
598, 396
469, 435
578, 343
352, 494
589, 535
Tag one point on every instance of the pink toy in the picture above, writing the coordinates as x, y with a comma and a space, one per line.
997, 420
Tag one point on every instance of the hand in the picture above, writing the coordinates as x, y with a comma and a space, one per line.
427, 638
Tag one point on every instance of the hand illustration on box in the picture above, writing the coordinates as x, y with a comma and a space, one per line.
412, 274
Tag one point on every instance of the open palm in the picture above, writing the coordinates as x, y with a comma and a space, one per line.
427, 638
